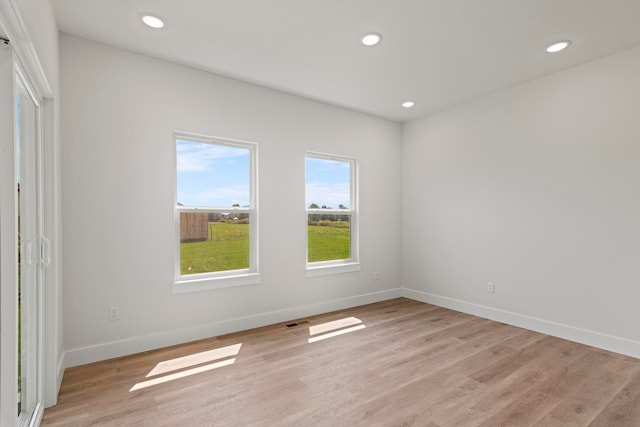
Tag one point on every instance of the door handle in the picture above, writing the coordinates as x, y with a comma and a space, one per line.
45, 251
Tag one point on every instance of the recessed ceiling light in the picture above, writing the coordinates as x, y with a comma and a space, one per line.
408, 104
371, 39
557, 46
153, 21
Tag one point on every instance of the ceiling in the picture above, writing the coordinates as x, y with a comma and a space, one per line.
435, 52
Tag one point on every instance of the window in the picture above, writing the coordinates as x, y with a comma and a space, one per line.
331, 204
215, 213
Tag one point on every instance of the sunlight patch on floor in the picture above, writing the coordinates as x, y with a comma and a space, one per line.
220, 357
334, 328
194, 359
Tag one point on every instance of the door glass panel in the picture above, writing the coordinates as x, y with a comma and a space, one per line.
28, 252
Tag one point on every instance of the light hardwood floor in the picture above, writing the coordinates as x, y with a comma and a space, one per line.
395, 363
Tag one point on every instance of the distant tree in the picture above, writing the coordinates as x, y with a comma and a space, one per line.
325, 217
214, 217
313, 219
341, 206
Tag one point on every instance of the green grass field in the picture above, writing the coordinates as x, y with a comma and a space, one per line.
328, 243
227, 248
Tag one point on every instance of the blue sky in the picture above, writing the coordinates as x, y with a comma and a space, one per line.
328, 182
218, 176
212, 175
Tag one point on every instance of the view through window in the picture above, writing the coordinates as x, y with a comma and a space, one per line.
214, 206
330, 208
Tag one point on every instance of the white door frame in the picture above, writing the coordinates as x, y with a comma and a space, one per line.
13, 28
32, 293
14, 81
8, 243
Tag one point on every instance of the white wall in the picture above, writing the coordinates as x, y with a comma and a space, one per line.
535, 188
120, 110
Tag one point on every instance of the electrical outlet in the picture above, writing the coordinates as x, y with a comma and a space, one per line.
114, 312
490, 287
376, 275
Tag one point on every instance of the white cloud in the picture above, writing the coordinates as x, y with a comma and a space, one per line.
217, 197
199, 157
331, 195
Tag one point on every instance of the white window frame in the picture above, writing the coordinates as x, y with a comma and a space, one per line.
228, 278
351, 264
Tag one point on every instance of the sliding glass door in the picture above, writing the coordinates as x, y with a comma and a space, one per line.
22, 249
29, 253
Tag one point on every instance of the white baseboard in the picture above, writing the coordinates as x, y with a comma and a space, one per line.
95, 353
568, 332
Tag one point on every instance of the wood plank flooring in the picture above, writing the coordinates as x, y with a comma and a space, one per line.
394, 363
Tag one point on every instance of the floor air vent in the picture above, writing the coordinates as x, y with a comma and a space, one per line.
302, 322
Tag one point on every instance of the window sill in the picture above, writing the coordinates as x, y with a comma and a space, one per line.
327, 269
187, 285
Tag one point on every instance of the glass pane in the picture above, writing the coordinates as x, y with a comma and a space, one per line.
28, 261
212, 175
20, 256
329, 237
328, 184
211, 242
